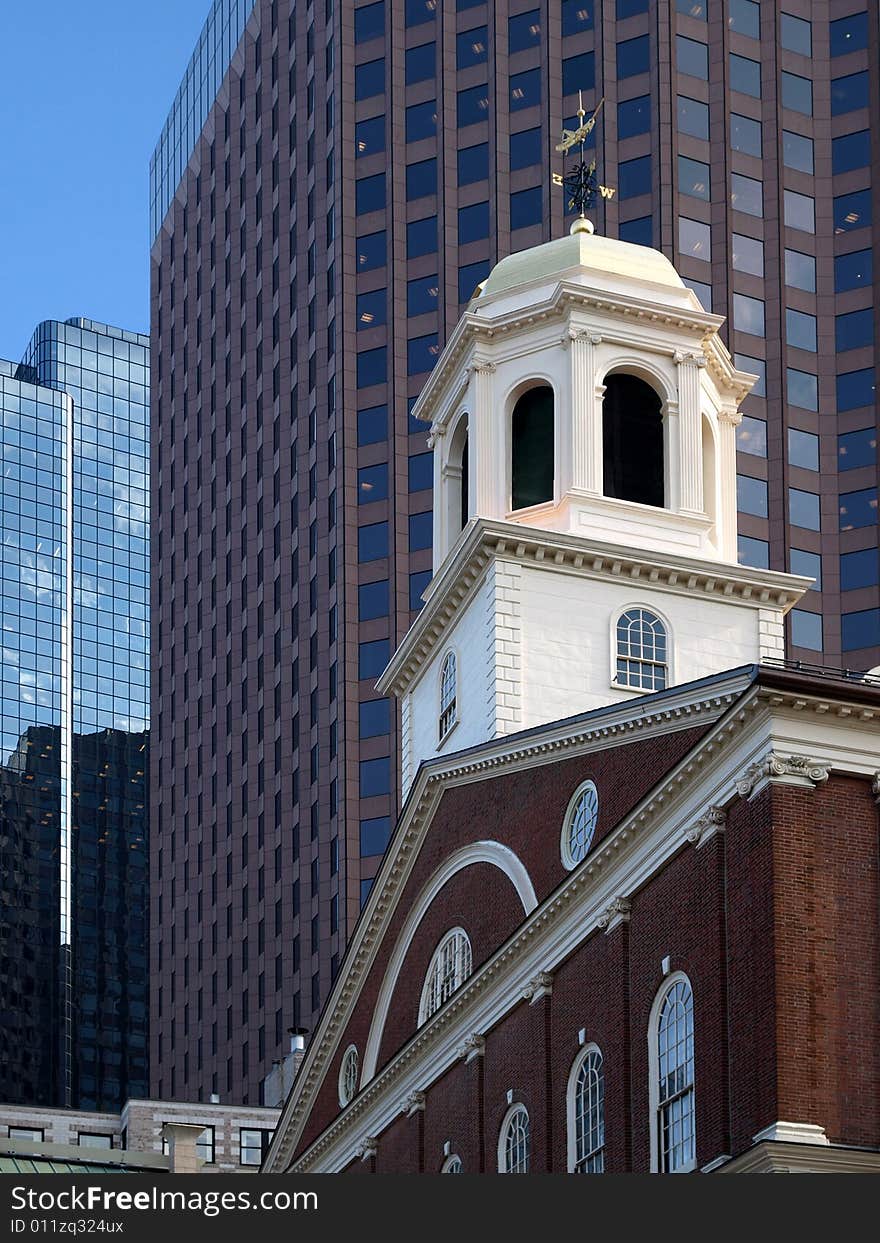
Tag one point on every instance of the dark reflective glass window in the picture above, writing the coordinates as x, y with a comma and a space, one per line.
855, 389
800, 330
860, 629
745, 18
372, 308
421, 471
526, 148
578, 73
473, 163
855, 449
630, 8
473, 223
371, 251
795, 34
422, 295
372, 425
417, 12
525, 89
369, 79
800, 270
849, 34
746, 194
756, 366
849, 93
421, 353
373, 657
799, 211
854, 330
748, 314
634, 177
472, 47
472, 106
369, 136
748, 254
634, 116
634, 55
803, 449
751, 436
421, 63
523, 30
745, 134
526, 208
421, 237
692, 57
693, 117
577, 15
373, 600
751, 496
375, 775
692, 8
807, 563
852, 271
803, 509
421, 179
858, 509
639, 231
745, 75
369, 22
372, 367
859, 569
421, 530
370, 194
375, 835
469, 276
753, 552
797, 93
418, 582
797, 151
374, 718
851, 151
421, 121
373, 541
693, 178
806, 629
852, 211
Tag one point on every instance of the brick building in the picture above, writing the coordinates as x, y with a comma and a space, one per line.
631, 922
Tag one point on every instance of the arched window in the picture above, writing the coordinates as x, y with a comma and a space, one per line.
672, 1071
579, 825
642, 651
448, 701
452, 1165
532, 448
586, 1113
632, 440
449, 968
514, 1143
348, 1076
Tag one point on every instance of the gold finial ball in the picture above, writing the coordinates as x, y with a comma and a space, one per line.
581, 225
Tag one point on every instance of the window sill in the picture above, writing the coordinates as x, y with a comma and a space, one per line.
452, 728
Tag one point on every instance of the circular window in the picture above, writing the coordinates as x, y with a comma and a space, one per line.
348, 1076
579, 826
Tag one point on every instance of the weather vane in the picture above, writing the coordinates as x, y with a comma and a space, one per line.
581, 183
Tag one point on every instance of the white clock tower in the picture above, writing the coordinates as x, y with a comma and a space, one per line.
583, 418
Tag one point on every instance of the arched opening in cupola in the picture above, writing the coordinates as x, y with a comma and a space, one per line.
456, 474
532, 448
632, 441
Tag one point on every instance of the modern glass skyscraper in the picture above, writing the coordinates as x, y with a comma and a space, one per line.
73, 769
332, 184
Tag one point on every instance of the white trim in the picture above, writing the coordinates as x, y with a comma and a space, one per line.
493, 853
670, 651
793, 1133
512, 397
570, 1104
515, 1108
568, 860
457, 933
450, 1161
677, 977
350, 1054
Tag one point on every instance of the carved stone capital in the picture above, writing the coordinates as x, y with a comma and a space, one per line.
798, 770
712, 821
482, 366
472, 1046
368, 1148
540, 985
414, 1103
616, 912
730, 415
875, 787
689, 357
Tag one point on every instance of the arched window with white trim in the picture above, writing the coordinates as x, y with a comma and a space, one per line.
449, 968
348, 1076
673, 1105
452, 1165
642, 647
448, 695
586, 1113
514, 1142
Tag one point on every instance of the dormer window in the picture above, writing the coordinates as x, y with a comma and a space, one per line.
532, 448
448, 699
642, 651
632, 440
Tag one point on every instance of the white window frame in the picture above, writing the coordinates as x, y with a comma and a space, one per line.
447, 718
568, 858
588, 1051
348, 1079
677, 977
509, 1118
452, 1165
615, 650
462, 966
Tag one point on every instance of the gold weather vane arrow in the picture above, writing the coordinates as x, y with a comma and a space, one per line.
581, 183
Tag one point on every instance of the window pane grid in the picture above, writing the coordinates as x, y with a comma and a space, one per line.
589, 1117
641, 651
450, 967
447, 695
675, 1048
516, 1144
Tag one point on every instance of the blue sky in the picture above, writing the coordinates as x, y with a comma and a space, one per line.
85, 88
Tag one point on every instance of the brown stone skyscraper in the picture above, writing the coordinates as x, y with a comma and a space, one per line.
332, 183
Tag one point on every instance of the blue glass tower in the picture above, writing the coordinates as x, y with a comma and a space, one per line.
73, 716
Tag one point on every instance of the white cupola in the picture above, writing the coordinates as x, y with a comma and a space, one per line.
583, 419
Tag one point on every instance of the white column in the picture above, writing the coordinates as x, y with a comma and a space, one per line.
586, 420
489, 470
690, 433
729, 419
